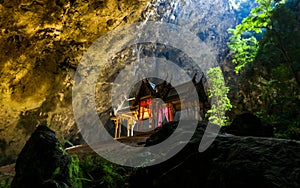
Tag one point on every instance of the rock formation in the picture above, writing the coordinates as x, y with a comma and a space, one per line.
42, 43
247, 124
231, 161
42, 162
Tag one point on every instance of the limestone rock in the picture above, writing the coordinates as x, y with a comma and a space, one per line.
230, 161
41, 45
247, 124
41, 162
239, 162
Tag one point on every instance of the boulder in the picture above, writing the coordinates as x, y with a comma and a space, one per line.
161, 133
247, 124
231, 161
238, 162
42, 162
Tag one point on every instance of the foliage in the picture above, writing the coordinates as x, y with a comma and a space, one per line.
94, 171
270, 30
268, 42
244, 49
244, 42
103, 173
90, 171
218, 93
75, 173
5, 182
111, 177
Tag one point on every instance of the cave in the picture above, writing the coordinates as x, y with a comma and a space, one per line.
127, 93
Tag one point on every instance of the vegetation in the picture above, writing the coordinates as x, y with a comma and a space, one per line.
76, 173
86, 171
5, 182
266, 50
244, 41
218, 93
95, 172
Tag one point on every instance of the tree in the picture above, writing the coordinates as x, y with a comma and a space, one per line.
244, 43
271, 28
218, 93
266, 46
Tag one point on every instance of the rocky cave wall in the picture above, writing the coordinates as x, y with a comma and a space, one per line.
43, 41
40, 47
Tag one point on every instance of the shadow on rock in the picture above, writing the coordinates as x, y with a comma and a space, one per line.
42, 162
